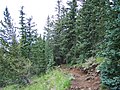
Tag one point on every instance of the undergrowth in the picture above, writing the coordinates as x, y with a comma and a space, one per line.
53, 80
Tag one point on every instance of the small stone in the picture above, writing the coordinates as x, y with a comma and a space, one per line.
89, 89
88, 78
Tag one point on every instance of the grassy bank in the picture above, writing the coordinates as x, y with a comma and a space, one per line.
53, 80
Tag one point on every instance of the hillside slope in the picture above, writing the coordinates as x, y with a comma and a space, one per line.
83, 79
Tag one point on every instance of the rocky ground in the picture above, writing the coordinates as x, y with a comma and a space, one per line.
84, 79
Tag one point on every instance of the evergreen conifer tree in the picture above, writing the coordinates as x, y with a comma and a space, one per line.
90, 28
110, 68
57, 34
39, 63
8, 31
69, 33
13, 66
31, 36
23, 33
49, 44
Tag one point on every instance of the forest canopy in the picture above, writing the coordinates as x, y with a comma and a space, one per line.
75, 34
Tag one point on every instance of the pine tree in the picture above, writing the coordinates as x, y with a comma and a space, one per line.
8, 34
57, 34
13, 66
31, 35
49, 44
58, 9
28, 34
23, 33
110, 68
90, 28
8, 31
65, 34
69, 34
39, 63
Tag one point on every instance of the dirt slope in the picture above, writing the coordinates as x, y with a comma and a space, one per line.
84, 80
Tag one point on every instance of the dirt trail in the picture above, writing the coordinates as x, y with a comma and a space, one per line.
83, 80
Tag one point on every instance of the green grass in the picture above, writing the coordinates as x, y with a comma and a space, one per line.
53, 80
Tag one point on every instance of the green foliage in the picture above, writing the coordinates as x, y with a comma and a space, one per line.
49, 55
49, 58
70, 48
19, 59
23, 33
89, 62
12, 69
28, 34
39, 64
100, 60
65, 35
58, 36
31, 36
103, 87
110, 68
31, 46
55, 79
74, 36
110, 74
90, 28
8, 31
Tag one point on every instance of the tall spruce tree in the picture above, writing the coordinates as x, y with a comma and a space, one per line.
89, 28
31, 35
110, 68
69, 34
8, 31
8, 35
39, 63
57, 35
23, 33
13, 66
28, 34
49, 43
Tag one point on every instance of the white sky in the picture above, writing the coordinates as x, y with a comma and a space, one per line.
39, 9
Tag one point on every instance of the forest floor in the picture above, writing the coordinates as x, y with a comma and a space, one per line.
83, 79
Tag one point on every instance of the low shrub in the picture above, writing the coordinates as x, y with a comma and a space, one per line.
53, 80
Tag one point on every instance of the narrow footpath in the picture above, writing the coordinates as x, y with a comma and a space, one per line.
83, 79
